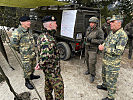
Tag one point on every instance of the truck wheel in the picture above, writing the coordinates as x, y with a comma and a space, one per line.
64, 49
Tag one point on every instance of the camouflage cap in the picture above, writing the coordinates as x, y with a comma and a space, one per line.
48, 18
93, 19
116, 17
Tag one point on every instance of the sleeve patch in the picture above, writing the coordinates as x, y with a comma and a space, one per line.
123, 43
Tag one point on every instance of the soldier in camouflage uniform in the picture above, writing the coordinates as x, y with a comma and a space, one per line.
106, 27
94, 37
49, 60
113, 48
129, 30
22, 41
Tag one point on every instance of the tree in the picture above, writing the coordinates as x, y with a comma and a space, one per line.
126, 9
9, 16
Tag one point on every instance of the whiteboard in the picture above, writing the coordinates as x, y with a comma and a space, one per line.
68, 23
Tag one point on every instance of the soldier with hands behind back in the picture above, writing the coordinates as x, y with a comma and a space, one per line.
49, 60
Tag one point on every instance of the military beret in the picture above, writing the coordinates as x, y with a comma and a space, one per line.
24, 18
116, 17
48, 18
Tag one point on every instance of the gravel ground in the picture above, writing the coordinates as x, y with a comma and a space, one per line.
77, 85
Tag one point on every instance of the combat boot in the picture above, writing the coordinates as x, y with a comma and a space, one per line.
101, 87
28, 84
34, 76
107, 98
92, 78
87, 72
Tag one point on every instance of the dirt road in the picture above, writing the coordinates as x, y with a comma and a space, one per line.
77, 85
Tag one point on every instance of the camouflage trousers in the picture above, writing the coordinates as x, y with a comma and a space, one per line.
29, 65
54, 83
91, 60
109, 77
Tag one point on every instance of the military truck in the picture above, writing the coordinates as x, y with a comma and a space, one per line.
72, 21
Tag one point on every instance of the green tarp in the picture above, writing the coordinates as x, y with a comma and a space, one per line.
29, 3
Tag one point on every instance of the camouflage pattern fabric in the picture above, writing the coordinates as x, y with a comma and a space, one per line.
114, 46
97, 37
49, 62
56, 84
22, 41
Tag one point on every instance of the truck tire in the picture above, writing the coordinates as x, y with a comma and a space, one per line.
64, 49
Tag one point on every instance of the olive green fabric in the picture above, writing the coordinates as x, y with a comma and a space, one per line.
29, 3
91, 47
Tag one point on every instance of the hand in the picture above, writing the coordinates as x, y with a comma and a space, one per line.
101, 47
37, 67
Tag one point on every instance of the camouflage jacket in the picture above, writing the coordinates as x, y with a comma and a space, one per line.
23, 42
114, 46
129, 29
97, 37
49, 54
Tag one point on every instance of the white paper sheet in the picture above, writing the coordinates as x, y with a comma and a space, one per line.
68, 23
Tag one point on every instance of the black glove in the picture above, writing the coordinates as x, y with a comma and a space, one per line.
89, 39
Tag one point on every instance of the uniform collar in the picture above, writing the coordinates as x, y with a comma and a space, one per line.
48, 32
118, 31
23, 29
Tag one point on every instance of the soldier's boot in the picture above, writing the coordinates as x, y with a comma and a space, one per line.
92, 78
34, 76
101, 87
28, 84
107, 98
87, 72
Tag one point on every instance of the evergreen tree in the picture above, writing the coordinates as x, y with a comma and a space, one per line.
126, 9
9, 16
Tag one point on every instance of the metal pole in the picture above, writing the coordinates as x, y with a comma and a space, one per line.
8, 83
2, 49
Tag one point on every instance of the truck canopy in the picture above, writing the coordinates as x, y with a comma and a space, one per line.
29, 3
